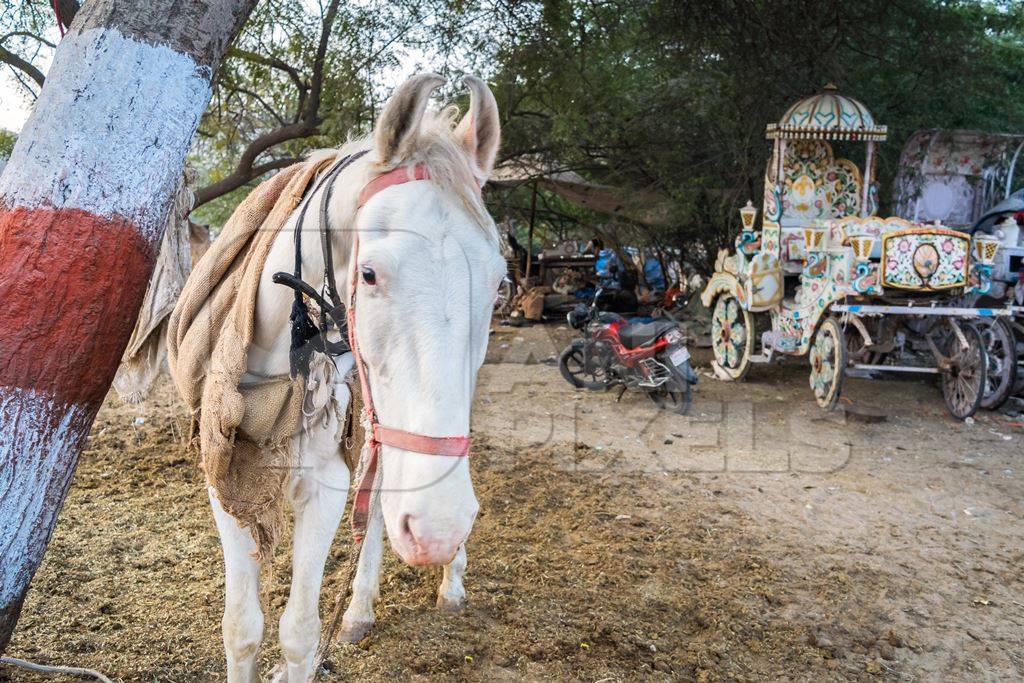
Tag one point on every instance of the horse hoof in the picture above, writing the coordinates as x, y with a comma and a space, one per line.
353, 633
446, 604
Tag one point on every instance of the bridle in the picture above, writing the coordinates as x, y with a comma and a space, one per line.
307, 337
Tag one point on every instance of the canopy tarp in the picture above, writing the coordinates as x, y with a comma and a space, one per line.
954, 176
641, 206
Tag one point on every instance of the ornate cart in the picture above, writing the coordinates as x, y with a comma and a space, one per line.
970, 180
826, 278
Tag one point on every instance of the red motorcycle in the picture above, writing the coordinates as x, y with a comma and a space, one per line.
648, 354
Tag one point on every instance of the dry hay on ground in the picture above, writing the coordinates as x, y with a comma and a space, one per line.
559, 587
582, 574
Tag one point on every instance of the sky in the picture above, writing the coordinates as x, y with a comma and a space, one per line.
14, 107
15, 103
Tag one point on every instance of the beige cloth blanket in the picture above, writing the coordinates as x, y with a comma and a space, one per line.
244, 430
144, 357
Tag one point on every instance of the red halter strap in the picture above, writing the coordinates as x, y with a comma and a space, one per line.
377, 435
418, 443
395, 177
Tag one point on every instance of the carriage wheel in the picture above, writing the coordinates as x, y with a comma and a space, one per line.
1001, 352
828, 363
732, 337
1018, 335
963, 385
857, 352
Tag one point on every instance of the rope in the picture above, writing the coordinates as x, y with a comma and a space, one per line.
327, 635
52, 670
338, 612
56, 13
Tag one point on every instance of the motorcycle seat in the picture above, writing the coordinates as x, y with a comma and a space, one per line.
640, 334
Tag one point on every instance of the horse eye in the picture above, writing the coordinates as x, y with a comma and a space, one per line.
369, 277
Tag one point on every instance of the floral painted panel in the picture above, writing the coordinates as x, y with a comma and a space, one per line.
825, 281
772, 200
818, 186
949, 199
955, 175
770, 238
870, 225
842, 187
925, 259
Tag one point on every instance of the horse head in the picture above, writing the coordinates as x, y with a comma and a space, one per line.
427, 272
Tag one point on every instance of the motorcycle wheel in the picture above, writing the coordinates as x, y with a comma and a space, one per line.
678, 402
572, 365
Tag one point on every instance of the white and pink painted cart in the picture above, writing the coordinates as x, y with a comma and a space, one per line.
827, 278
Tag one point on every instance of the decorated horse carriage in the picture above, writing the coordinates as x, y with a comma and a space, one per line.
827, 278
974, 181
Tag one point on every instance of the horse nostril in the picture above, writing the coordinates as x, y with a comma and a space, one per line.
406, 530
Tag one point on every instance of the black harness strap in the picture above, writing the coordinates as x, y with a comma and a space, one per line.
306, 335
325, 246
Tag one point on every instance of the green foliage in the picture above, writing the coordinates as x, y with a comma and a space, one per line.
7, 140
269, 81
674, 96
216, 212
665, 98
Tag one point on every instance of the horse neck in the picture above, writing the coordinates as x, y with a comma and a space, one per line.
268, 354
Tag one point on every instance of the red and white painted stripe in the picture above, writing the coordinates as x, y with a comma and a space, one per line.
82, 202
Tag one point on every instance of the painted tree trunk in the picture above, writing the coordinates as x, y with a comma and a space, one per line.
83, 202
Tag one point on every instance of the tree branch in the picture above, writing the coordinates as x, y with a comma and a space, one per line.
246, 170
308, 122
270, 110
13, 60
26, 34
274, 63
312, 107
238, 179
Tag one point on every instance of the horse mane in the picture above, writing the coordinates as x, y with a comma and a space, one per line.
440, 150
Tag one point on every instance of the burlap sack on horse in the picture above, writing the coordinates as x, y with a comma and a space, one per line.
245, 429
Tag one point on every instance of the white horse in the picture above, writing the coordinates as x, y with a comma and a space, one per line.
430, 268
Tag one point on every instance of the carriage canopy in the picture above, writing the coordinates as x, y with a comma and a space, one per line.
954, 176
827, 116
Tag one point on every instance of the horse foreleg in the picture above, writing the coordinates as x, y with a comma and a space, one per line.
243, 617
451, 595
359, 618
318, 498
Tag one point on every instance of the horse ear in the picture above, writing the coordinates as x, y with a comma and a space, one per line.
480, 130
399, 123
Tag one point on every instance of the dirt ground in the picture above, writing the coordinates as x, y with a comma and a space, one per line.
756, 538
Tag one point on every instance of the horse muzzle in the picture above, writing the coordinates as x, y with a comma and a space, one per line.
420, 542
